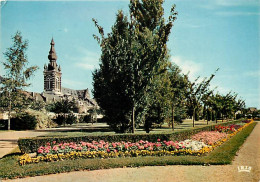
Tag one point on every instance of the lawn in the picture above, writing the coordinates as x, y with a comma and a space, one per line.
221, 155
97, 129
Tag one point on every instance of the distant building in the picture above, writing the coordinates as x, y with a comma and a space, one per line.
53, 90
3, 115
252, 109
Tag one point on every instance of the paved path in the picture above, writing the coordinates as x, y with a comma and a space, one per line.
8, 140
248, 155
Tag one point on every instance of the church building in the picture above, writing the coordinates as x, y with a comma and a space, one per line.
53, 90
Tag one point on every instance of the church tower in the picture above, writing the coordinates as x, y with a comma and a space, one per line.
52, 73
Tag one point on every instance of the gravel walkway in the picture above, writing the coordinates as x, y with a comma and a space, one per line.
248, 155
8, 140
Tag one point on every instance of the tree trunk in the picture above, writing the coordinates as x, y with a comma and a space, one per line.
172, 118
133, 120
216, 114
207, 113
64, 121
9, 113
222, 118
193, 117
9, 121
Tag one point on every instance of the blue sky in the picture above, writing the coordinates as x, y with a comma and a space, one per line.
206, 35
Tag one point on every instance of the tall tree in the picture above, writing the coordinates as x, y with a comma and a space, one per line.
196, 92
178, 88
17, 76
131, 57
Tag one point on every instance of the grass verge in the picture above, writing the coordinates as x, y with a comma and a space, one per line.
224, 154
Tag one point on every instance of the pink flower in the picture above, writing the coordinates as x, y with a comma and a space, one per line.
108, 150
158, 140
158, 145
54, 142
55, 148
40, 151
79, 148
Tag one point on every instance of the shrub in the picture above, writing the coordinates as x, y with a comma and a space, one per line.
23, 121
59, 119
43, 120
70, 119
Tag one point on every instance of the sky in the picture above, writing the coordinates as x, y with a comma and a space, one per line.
206, 35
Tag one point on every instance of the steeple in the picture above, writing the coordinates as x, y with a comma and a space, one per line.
52, 53
52, 73
52, 57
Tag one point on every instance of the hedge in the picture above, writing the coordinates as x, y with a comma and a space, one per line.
30, 145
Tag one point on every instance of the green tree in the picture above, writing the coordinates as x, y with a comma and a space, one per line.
176, 94
196, 92
157, 102
16, 78
131, 57
64, 109
37, 105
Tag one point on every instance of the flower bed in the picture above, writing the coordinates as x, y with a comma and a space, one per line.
31, 145
247, 121
64, 148
228, 129
102, 149
209, 137
196, 146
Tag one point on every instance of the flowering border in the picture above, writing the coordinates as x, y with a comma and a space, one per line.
26, 159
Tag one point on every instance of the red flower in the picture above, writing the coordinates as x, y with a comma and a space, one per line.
158, 140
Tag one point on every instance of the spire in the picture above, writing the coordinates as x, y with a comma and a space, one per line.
52, 53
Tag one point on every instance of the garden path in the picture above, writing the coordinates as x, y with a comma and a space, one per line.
8, 139
248, 155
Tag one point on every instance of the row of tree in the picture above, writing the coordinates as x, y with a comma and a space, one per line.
137, 84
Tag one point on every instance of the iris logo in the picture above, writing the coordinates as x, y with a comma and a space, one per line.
244, 169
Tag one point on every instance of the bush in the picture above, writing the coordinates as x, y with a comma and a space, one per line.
70, 119
30, 145
23, 121
43, 120
65, 119
238, 116
178, 119
59, 119
85, 119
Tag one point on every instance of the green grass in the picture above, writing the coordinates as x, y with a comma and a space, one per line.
165, 129
224, 154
